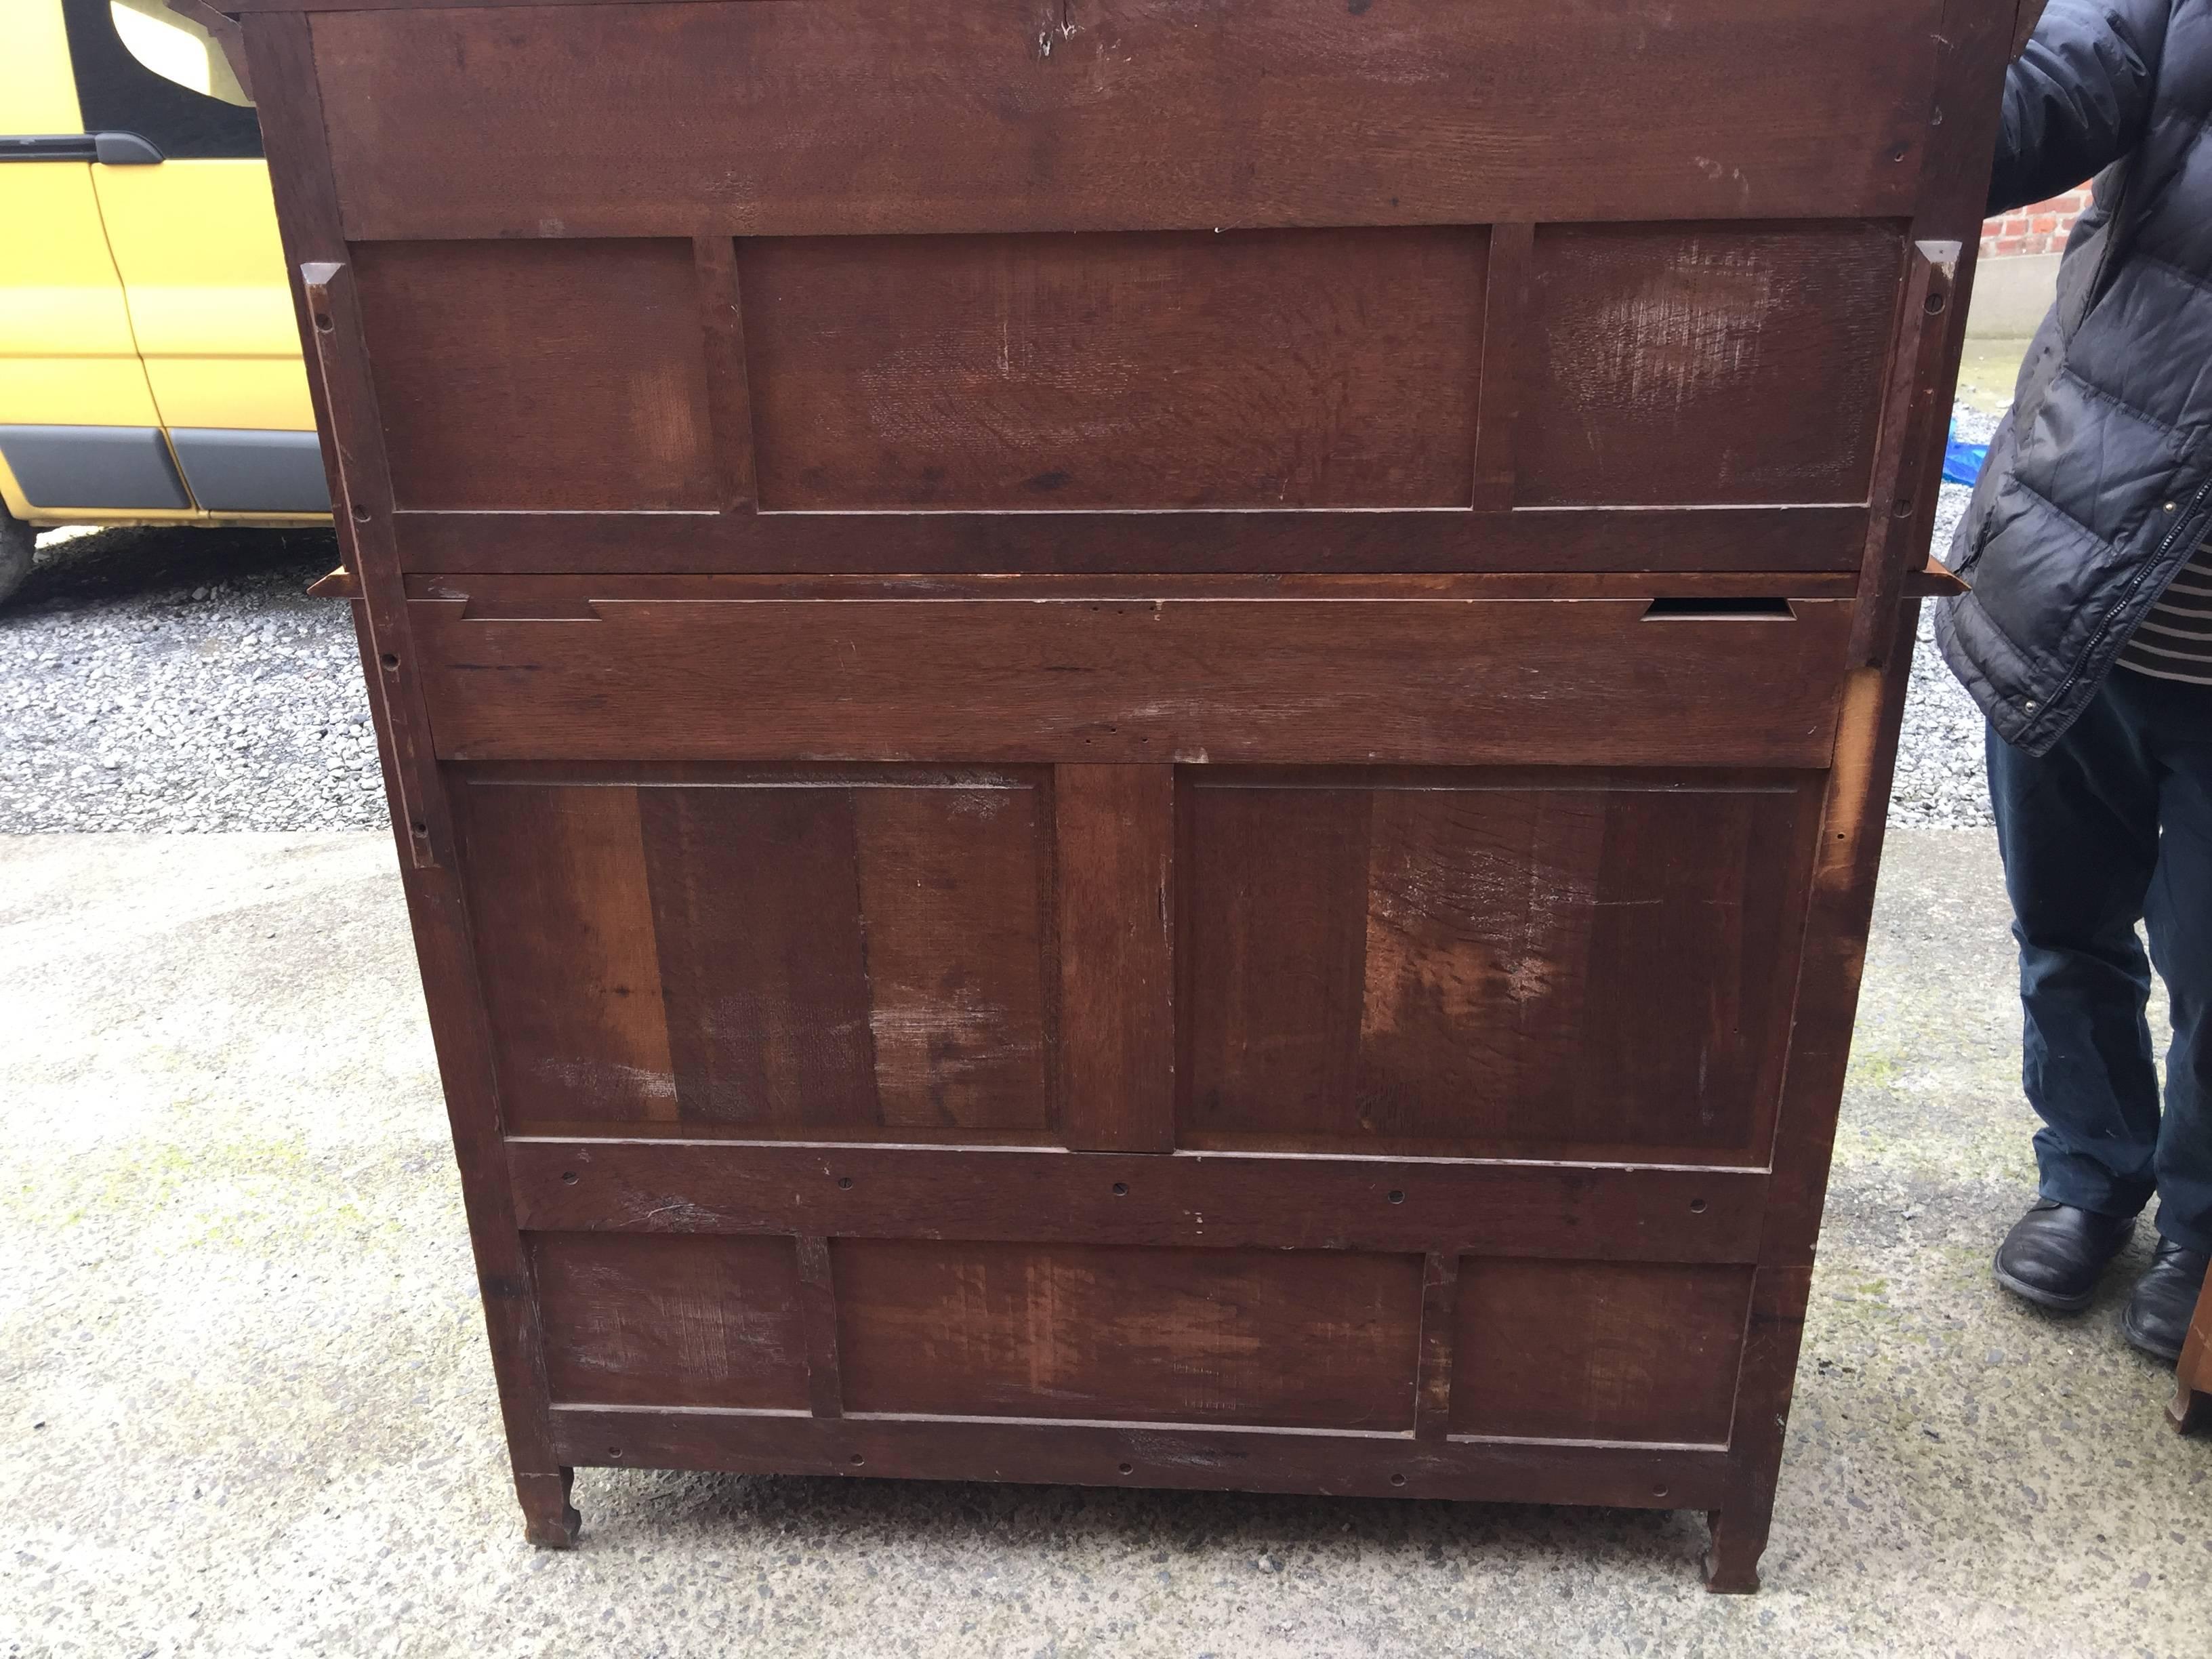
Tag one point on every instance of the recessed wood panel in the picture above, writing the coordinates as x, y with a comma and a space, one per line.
1668, 364
1250, 369
564, 375
640, 1320
1598, 1350
848, 116
833, 960
857, 955
1510, 963
569, 965
1307, 1339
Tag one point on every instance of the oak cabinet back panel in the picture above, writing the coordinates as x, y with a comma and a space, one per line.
1139, 741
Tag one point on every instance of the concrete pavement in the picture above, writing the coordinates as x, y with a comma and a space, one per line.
245, 1406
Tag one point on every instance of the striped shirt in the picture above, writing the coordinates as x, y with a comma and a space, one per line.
2175, 639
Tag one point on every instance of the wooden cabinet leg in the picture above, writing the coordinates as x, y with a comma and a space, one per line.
1739, 1539
549, 1521
2189, 1410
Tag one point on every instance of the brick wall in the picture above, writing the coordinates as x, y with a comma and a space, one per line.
2039, 228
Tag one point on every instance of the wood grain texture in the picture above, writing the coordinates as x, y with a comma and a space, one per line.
1114, 862
869, 959
1925, 320
1319, 1340
729, 384
648, 1320
486, 595
770, 120
1439, 1343
1213, 1199
1060, 372
1423, 534
1663, 360
861, 953
569, 961
1506, 348
817, 1307
567, 375
1345, 1464
1569, 541
1415, 683
1597, 1351
1760, 1418
1544, 963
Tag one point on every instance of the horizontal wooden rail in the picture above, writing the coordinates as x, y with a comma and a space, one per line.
1819, 537
1416, 682
1582, 1212
1144, 1455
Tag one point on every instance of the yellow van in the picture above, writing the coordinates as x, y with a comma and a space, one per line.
149, 363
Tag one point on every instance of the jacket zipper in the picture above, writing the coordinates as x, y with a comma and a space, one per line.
2184, 522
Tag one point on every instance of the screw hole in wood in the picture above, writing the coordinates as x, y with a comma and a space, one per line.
1128, 1468
1935, 304
1121, 1189
568, 1176
856, 1459
1696, 1206
1397, 1479
323, 321
845, 1182
360, 515
1397, 1196
389, 660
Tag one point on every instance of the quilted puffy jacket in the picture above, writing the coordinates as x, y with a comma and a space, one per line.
2098, 483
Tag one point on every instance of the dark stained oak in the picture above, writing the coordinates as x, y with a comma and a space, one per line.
788, 951
570, 959
1113, 867
1213, 1457
1027, 372
1133, 681
1690, 541
1115, 115
1518, 958
484, 348
1664, 361
1321, 1340
2191, 1406
1577, 1350
1139, 743
644, 1319
585, 1179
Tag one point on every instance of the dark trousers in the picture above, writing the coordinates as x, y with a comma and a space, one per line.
2110, 828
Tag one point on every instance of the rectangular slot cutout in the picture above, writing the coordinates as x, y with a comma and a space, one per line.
1710, 609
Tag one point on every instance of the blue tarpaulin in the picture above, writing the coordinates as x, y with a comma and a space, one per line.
1962, 461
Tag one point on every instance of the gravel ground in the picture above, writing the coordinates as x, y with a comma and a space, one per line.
180, 679
1939, 753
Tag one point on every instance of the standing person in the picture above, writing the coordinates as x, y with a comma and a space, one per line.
2087, 643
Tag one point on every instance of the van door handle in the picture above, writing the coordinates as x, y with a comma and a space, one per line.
117, 149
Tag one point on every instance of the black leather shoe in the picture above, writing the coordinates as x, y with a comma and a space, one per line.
2157, 1318
2055, 1254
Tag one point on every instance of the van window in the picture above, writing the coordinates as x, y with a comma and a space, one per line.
144, 70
